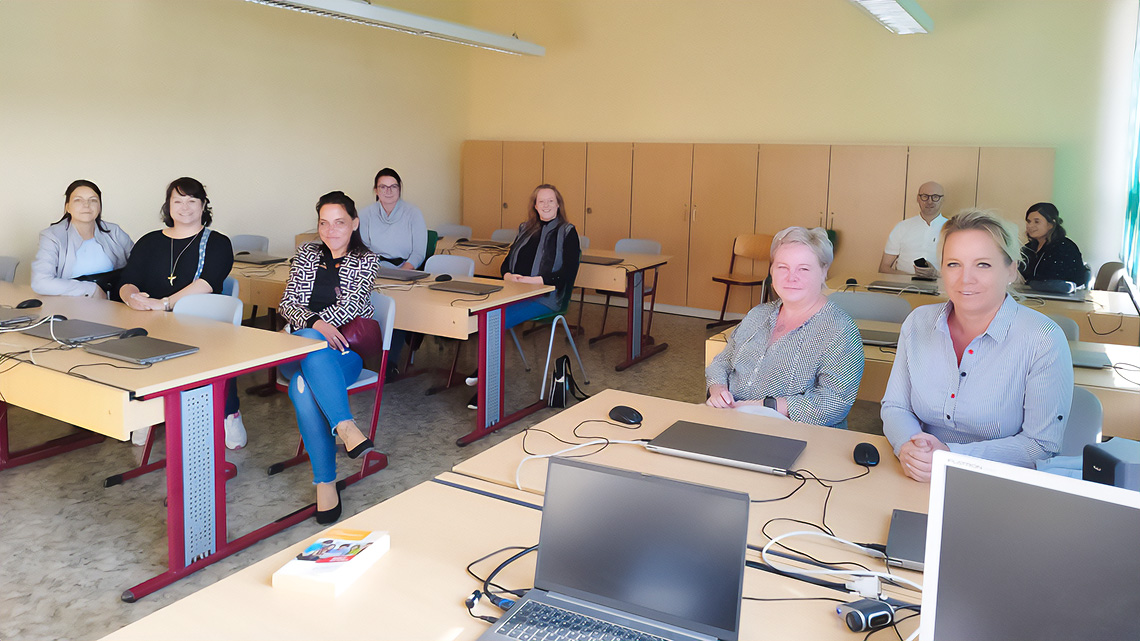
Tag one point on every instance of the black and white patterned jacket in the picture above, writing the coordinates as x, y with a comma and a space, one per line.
356, 277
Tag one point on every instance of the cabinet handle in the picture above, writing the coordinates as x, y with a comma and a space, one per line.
821, 219
504, 205
694, 218
589, 210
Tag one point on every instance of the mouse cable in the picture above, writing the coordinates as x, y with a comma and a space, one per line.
606, 442
764, 555
801, 553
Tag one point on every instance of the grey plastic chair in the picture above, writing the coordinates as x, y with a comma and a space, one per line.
250, 243
628, 246
874, 306
583, 243
8, 265
1067, 325
1084, 425
231, 287
450, 264
219, 307
453, 231
504, 235
1108, 278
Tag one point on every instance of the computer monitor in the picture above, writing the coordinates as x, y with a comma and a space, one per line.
1013, 553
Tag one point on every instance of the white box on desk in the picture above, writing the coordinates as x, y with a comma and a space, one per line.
331, 568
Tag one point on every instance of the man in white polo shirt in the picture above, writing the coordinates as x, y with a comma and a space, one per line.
916, 237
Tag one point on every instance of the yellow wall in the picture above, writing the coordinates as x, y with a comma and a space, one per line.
993, 72
269, 108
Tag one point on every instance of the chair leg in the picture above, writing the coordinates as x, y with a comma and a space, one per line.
581, 308
521, 354
605, 315
652, 306
574, 348
723, 309
550, 350
145, 465
450, 374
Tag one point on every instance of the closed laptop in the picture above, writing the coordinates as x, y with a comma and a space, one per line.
142, 350
73, 331
723, 446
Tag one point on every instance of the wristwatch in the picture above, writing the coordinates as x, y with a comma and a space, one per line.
770, 402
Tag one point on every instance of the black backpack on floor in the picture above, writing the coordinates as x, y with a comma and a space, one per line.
562, 384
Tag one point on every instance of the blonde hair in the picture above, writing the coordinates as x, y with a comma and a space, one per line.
815, 239
1003, 233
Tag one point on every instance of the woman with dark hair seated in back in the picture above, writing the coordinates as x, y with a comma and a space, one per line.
1050, 254
80, 253
330, 283
184, 258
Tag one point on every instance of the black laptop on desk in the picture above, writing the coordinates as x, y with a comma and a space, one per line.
251, 257
591, 259
632, 556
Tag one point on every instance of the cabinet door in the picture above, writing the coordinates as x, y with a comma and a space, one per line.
865, 199
609, 181
522, 172
564, 166
724, 207
791, 189
481, 186
662, 184
955, 168
1011, 179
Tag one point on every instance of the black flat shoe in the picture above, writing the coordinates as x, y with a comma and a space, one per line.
364, 447
324, 517
473, 404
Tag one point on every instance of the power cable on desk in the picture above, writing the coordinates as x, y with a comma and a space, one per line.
470, 300
1119, 324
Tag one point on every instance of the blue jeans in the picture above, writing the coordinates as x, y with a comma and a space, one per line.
522, 312
318, 387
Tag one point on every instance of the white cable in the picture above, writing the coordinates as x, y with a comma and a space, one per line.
913, 635
597, 441
892, 578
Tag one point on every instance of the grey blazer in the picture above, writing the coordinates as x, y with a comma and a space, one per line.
55, 258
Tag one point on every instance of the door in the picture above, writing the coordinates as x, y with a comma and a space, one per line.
724, 207
865, 199
522, 172
662, 187
609, 184
564, 166
481, 184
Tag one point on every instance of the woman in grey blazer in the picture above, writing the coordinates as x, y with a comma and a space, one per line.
80, 244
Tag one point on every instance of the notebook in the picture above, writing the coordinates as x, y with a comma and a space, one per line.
142, 350
630, 550
9, 317
599, 260
464, 287
723, 446
395, 273
899, 287
73, 331
906, 541
257, 258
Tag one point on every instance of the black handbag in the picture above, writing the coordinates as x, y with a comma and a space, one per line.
562, 384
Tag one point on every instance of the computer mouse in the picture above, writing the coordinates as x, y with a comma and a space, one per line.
852, 281
132, 332
866, 454
625, 414
462, 240
443, 277
243, 252
31, 302
56, 317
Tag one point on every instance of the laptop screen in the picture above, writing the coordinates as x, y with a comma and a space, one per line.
655, 547
1013, 553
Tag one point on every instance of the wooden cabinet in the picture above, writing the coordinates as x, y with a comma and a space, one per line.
481, 186
791, 186
662, 186
724, 207
564, 166
865, 196
522, 172
609, 185
1010, 179
955, 168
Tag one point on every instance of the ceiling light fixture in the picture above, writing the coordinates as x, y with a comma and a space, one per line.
898, 16
412, 24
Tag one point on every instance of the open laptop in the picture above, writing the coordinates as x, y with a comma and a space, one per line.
464, 287
600, 260
723, 446
900, 287
1088, 358
629, 555
906, 542
1014, 553
257, 258
12, 317
395, 273
73, 331
142, 350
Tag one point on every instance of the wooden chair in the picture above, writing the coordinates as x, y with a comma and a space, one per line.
754, 247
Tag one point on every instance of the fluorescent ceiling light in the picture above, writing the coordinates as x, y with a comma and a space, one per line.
409, 23
898, 16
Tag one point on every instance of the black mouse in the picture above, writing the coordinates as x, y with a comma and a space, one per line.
132, 332
462, 240
31, 302
56, 317
866, 454
625, 414
852, 281
443, 277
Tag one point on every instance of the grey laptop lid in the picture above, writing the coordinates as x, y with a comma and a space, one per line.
906, 542
464, 287
395, 273
660, 549
898, 287
735, 448
140, 349
483, 244
1088, 358
879, 337
73, 331
599, 260
14, 316
1078, 296
257, 258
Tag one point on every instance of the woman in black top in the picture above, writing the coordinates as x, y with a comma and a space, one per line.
1050, 254
546, 252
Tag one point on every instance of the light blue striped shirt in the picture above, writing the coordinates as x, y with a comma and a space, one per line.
1008, 400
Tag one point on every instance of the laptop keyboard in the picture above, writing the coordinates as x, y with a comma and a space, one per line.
542, 622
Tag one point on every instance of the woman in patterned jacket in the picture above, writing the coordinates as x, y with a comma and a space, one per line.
329, 285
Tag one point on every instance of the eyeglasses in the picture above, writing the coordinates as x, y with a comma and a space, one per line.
388, 187
932, 198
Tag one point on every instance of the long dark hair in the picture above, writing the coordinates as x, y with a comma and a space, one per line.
67, 197
356, 243
187, 187
1052, 215
532, 219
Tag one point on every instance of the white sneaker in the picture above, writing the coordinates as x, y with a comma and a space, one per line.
138, 437
235, 432
472, 381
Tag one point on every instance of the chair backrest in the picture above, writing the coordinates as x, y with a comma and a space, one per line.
231, 287
583, 242
219, 307
384, 312
432, 241
1084, 425
1069, 326
637, 246
873, 306
8, 266
504, 235
450, 264
250, 243
1129, 286
1108, 278
754, 246
453, 231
